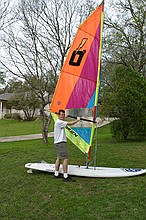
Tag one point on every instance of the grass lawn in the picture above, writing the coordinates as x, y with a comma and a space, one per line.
39, 196
10, 127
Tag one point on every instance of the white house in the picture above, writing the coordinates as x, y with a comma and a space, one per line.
5, 108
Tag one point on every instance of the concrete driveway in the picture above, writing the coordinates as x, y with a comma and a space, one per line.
24, 137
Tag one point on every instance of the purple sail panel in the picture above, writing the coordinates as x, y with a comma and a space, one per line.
81, 94
86, 83
90, 68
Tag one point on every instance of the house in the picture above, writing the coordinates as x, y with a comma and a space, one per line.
5, 108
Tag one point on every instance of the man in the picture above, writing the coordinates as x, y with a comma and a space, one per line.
60, 144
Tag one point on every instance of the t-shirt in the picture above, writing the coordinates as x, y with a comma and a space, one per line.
59, 131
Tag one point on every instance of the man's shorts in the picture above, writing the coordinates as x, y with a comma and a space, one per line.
61, 150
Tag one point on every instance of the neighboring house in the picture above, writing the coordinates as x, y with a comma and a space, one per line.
5, 108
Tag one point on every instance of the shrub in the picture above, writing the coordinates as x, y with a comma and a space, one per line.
15, 116
125, 99
8, 116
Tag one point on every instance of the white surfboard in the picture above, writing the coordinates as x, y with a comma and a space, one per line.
83, 171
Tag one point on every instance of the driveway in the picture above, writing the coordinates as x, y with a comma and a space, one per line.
24, 137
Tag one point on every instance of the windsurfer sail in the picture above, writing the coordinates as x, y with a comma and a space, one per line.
77, 90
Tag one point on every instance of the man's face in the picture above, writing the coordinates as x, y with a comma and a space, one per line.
62, 116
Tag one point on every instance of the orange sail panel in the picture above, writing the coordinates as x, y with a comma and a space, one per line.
77, 81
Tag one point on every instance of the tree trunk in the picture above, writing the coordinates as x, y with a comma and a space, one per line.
45, 124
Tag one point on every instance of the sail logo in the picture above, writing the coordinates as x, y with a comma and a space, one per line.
132, 169
71, 131
78, 54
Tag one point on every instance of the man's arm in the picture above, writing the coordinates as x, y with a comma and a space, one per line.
73, 122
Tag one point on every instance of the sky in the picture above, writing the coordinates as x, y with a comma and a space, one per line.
13, 2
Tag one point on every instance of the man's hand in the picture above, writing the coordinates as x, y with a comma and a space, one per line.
78, 118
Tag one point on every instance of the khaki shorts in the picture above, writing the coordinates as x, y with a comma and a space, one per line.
61, 150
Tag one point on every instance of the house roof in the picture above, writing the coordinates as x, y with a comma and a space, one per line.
6, 96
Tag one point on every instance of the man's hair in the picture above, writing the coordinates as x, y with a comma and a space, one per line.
61, 110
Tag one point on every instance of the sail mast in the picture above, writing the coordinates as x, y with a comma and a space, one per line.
97, 85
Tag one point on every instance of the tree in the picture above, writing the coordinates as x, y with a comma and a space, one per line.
2, 78
124, 35
37, 46
6, 18
5, 11
24, 98
13, 85
26, 101
125, 99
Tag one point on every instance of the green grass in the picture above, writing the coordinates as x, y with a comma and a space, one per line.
11, 127
39, 196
